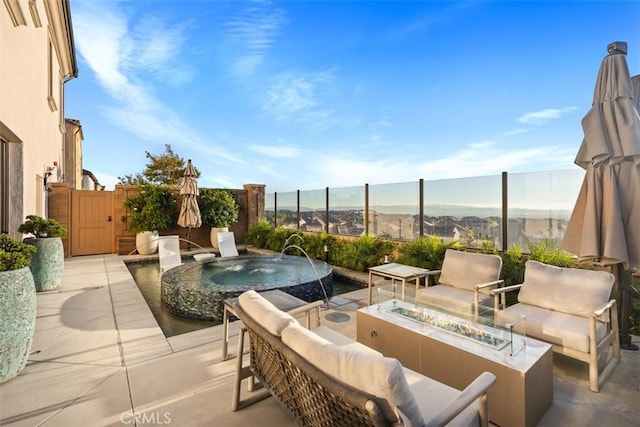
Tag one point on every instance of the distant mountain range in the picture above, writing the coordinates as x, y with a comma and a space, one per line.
449, 210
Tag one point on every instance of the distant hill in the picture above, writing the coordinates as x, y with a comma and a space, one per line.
449, 210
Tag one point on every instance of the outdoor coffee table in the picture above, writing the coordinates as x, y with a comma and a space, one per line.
280, 299
394, 271
455, 350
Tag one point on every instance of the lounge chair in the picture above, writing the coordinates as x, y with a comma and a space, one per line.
169, 252
571, 309
466, 279
227, 244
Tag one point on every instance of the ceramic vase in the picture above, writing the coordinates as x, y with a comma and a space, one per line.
17, 320
147, 242
47, 264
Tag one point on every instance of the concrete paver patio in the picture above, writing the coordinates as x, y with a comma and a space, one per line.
99, 359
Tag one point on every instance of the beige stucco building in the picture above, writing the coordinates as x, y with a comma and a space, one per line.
37, 54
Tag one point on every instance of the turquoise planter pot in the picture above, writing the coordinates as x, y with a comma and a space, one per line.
17, 321
47, 264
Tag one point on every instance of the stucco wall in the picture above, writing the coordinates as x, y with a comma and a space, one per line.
25, 109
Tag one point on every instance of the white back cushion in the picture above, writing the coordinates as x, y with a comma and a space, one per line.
569, 290
265, 313
380, 376
465, 270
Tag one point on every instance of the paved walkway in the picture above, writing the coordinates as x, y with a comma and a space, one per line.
100, 359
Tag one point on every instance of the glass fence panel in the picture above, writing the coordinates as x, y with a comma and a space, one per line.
269, 207
394, 210
313, 210
287, 209
465, 209
540, 204
346, 211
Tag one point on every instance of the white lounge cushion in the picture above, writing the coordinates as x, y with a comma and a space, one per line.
554, 327
433, 396
570, 290
340, 340
274, 320
465, 270
454, 299
380, 376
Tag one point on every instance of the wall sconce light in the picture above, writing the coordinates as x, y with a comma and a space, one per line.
47, 174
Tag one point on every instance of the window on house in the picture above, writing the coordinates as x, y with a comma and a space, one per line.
39, 198
50, 76
4, 186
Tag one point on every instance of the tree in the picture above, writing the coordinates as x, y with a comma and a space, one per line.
166, 169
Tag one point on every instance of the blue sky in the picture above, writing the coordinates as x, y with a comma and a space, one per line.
309, 94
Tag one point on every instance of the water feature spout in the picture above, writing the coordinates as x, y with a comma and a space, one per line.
286, 242
287, 247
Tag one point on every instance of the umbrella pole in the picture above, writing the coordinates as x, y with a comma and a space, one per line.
621, 292
188, 238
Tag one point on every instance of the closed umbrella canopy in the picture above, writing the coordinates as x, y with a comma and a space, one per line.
605, 223
189, 211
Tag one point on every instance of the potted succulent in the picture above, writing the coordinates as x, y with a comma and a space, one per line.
17, 306
47, 264
219, 209
153, 209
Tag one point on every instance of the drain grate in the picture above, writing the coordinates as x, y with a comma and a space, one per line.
337, 317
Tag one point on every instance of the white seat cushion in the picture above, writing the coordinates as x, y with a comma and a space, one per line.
380, 376
454, 299
554, 327
432, 396
465, 270
570, 290
265, 313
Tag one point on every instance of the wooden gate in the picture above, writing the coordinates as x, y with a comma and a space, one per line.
92, 216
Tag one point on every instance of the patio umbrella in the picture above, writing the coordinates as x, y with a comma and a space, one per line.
605, 224
189, 211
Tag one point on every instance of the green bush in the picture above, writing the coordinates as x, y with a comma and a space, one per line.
259, 233
513, 260
314, 244
360, 254
547, 251
153, 208
278, 237
218, 208
425, 252
42, 227
14, 254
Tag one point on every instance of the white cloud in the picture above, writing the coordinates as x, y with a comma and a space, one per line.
302, 98
477, 159
515, 132
254, 32
119, 55
276, 151
539, 117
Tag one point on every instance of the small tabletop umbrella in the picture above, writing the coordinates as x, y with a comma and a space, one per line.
605, 224
189, 211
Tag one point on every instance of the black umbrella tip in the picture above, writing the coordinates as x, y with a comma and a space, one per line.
617, 47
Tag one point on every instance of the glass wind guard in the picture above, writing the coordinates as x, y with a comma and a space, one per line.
478, 332
518, 335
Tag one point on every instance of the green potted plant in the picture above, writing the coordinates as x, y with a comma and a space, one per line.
219, 209
47, 264
153, 209
17, 306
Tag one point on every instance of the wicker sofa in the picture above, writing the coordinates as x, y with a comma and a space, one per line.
322, 383
570, 309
